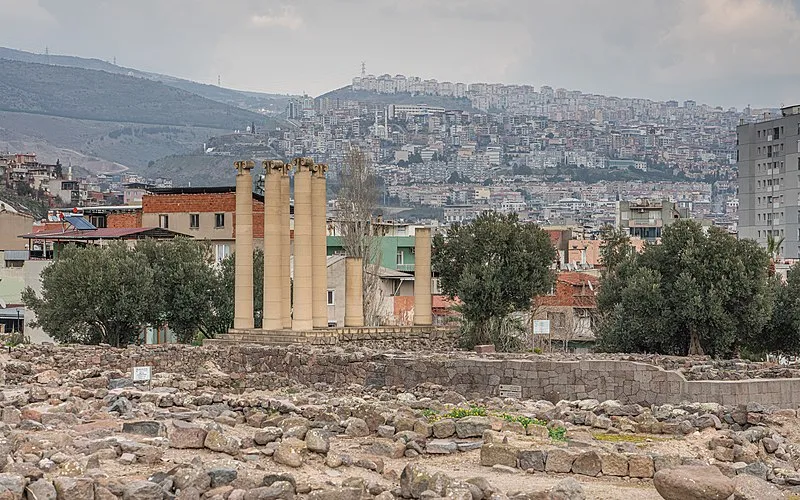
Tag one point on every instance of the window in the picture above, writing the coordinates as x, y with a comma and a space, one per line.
163, 221
331, 297
219, 220
399, 257
221, 251
194, 221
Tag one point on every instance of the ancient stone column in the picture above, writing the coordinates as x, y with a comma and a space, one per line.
319, 250
273, 286
243, 263
303, 318
422, 277
286, 251
354, 292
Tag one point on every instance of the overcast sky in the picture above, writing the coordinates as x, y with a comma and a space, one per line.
721, 52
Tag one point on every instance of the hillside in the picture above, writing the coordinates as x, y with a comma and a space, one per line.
194, 169
243, 99
348, 94
101, 96
97, 146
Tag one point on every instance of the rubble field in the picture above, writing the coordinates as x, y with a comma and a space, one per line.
93, 433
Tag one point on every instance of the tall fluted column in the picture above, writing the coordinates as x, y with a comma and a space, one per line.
286, 252
303, 319
422, 277
243, 272
319, 250
354, 292
273, 287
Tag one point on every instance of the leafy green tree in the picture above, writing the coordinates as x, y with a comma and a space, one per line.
773, 250
521, 170
782, 333
706, 292
184, 283
615, 249
94, 295
454, 178
495, 265
220, 318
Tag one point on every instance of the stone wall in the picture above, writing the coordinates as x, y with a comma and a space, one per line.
472, 375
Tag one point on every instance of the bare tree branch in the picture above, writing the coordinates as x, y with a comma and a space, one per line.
356, 202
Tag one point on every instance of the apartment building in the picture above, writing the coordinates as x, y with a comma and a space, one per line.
769, 180
646, 219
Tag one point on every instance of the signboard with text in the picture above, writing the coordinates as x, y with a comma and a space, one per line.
142, 373
541, 327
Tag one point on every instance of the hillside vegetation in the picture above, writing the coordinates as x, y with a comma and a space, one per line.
238, 98
194, 169
102, 96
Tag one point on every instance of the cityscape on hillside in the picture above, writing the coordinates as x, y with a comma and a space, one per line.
556, 157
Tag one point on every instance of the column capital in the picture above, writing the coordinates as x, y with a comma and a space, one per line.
244, 166
275, 167
303, 164
319, 170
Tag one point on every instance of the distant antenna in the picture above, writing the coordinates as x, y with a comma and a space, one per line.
47, 54
363, 69
115, 60
219, 79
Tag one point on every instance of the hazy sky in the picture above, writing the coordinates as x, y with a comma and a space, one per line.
722, 52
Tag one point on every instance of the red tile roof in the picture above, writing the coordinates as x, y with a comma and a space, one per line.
577, 279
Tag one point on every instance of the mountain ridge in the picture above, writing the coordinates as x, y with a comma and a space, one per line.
249, 99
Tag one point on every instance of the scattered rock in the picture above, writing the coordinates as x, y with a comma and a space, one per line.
217, 441
184, 435
587, 463
468, 427
687, 482
499, 454
747, 487
144, 428
142, 490
288, 453
318, 441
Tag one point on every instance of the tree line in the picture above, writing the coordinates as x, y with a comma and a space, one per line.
700, 291
107, 294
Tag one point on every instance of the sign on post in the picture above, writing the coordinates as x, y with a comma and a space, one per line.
541, 327
142, 373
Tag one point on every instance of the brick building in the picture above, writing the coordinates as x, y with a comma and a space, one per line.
205, 213
570, 308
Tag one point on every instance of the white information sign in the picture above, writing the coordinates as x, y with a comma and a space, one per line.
511, 391
142, 373
541, 326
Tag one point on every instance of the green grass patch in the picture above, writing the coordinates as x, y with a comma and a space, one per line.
626, 438
557, 434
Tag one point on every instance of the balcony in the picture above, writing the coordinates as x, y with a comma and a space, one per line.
408, 268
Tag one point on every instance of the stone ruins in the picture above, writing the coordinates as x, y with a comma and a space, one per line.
385, 418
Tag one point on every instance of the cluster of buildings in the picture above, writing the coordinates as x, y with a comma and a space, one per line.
55, 184
551, 155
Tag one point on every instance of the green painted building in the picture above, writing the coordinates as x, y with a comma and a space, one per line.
396, 252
